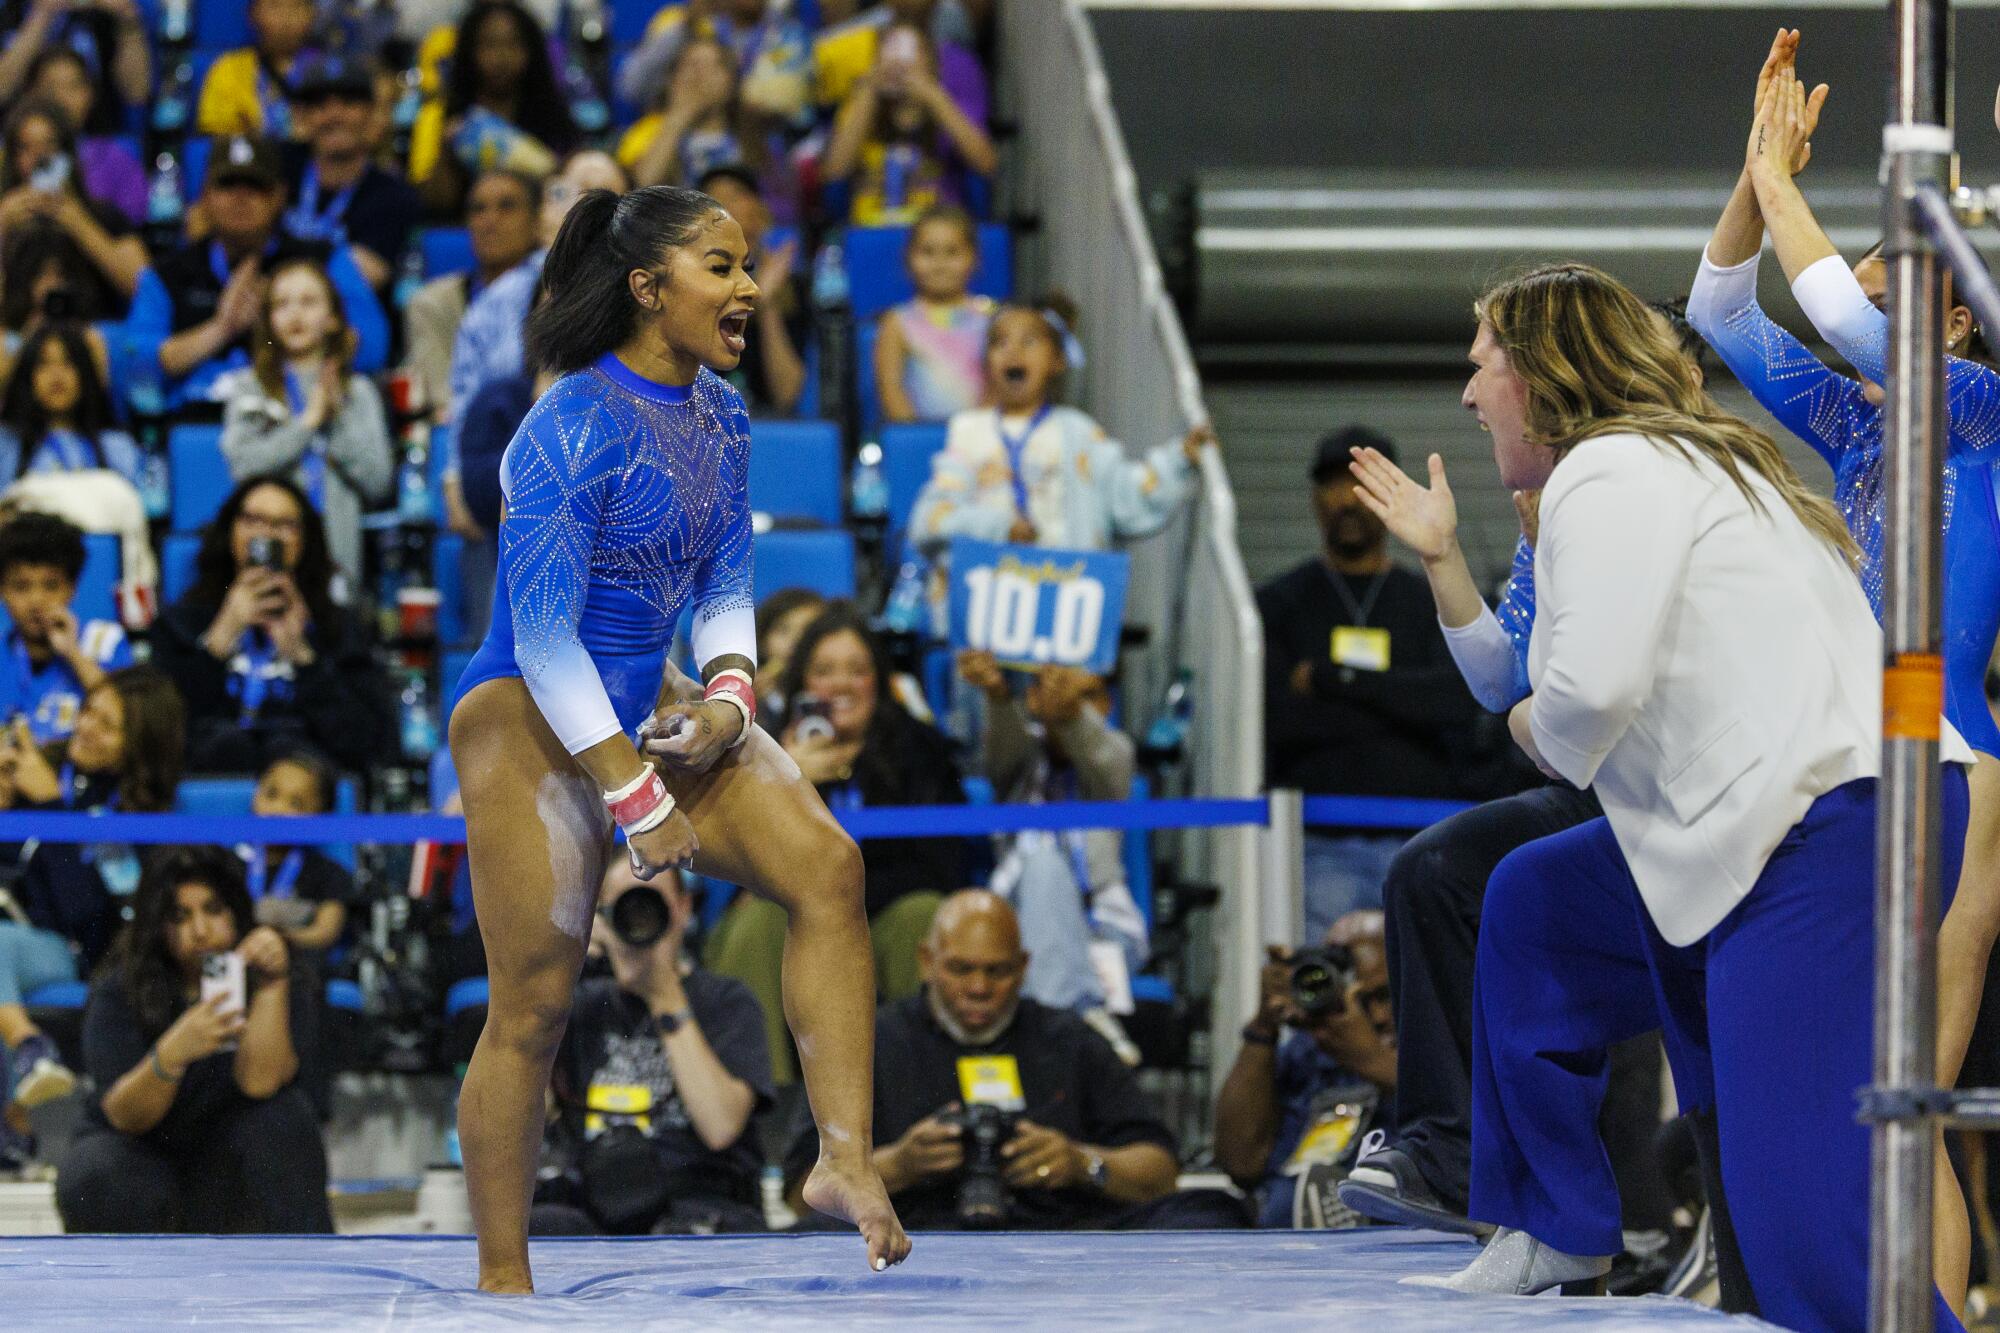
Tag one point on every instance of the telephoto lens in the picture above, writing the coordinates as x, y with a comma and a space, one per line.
640, 916
1320, 978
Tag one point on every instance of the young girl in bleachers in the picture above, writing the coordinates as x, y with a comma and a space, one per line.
930, 356
299, 891
300, 409
55, 411
1029, 470
899, 137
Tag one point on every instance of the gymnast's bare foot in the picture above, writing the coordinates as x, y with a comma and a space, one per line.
506, 1281
855, 1194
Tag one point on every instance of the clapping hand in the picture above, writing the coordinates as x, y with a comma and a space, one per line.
1787, 115
1423, 518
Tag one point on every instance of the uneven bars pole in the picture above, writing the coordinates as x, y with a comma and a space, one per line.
1917, 149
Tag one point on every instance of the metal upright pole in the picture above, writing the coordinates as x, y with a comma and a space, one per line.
1917, 148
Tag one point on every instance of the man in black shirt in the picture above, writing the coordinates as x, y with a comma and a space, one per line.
1085, 1149
336, 193
1362, 695
660, 1074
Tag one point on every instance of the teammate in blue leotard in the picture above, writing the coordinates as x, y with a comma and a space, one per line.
626, 502
1842, 419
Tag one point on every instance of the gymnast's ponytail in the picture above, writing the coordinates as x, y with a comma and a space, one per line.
587, 307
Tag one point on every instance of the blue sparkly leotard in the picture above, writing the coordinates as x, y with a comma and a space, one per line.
626, 502
1830, 412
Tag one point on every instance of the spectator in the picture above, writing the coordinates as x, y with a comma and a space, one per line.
768, 48
41, 187
111, 171
266, 661
771, 374
126, 755
501, 108
930, 358
500, 217
187, 1134
1068, 888
53, 659
55, 411
300, 892
1362, 694
684, 1052
901, 139
860, 747
44, 279
109, 37
199, 303
247, 91
300, 410
701, 123
339, 196
1291, 1117
781, 619
1085, 1150
1029, 470
844, 52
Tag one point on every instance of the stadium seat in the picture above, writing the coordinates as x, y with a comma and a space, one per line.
465, 995
795, 470
194, 152
877, 277
58, 995
220, 26
198, 474
446, 250
218, 797
866, 399
97, 588
178, 552
822, 561
446, 552
345, 996
906, 463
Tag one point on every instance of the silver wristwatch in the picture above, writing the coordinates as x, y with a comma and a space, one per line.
1099, 1170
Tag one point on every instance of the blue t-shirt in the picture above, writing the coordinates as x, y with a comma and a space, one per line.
1320, 1097
49, 695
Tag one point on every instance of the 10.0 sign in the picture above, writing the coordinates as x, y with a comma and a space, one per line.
1030, 606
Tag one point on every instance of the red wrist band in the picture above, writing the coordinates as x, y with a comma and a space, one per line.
734, 685
636, 801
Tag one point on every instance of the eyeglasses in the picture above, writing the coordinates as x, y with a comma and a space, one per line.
266, 523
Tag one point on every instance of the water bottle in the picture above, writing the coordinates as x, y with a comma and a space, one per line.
409, 276
419, 719
1167, 737
830, 279
156, 485
174, 24
170, 112
904, 611
413, 490
868, 491
899, 167
587, 106
163, 192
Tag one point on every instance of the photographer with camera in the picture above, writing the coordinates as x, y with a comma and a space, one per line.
1294, 1111
266, 660
993, 1110
657, 1083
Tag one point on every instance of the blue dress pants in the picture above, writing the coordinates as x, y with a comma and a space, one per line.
1769, 1019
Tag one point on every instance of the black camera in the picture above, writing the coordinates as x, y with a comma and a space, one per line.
58, 304
640, 915
1321, 979
983, 1130
266, 553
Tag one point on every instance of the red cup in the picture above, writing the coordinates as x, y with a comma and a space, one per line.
417, 611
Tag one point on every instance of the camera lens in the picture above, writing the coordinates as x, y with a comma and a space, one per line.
640, 916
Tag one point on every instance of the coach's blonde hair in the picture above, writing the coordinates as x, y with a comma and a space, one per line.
1596, 360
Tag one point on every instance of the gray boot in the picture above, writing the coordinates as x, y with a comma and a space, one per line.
1516, 1264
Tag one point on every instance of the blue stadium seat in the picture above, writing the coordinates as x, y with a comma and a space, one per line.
221, 24
231, 796
446, 552
198, 474
178, 552
906, 463
470, 993
822, 561
58, 995
345, 996
795, 470
629, 19
866, 334
877, 277
195, 150
97, 588
446, 250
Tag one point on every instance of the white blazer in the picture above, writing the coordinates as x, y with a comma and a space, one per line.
1710, 670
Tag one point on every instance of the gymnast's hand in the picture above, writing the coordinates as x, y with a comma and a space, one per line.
1524, 736
1781, 138
671, 846
691, 735
1423, 518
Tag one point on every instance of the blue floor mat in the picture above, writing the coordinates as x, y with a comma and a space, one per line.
1245, 1280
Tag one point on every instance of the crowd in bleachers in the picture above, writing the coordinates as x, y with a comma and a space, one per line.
263, 275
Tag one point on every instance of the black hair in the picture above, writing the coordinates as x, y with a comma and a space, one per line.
590, 309
140, 960
24, 112
775, 608
1692, 344
149, 770
951, 215
1978, 347
531, 184
730, 171
215, 563
22, 412
42, 539
103, 117
23, 255
317, 768
883, 765
543, 110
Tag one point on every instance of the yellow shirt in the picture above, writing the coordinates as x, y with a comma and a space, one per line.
234, 94
632, 145
426, 140
841, 57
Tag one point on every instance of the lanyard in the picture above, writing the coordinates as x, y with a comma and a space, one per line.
847, 796
271, 98
66, 784
73, 452
1016, 446
255, 870
252, 683
1062, 787
312, 464
1358, 610
309, 222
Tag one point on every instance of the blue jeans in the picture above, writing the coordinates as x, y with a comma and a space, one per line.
29, 958
1344, 873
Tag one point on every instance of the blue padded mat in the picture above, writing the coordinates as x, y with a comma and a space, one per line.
1274, 1280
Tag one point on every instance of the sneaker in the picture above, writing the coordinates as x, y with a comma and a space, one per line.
17, 1151
1106, 1025
1387, 1186
1516, 1264
38, 1074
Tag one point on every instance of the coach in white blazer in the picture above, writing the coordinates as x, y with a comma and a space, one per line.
1703, 657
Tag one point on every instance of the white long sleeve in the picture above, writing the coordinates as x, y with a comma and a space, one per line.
1485, 656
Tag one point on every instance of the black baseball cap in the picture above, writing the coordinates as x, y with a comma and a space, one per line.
332, 75
247, 159
1330, 460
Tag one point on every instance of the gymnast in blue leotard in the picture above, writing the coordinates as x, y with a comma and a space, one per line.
626, 504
